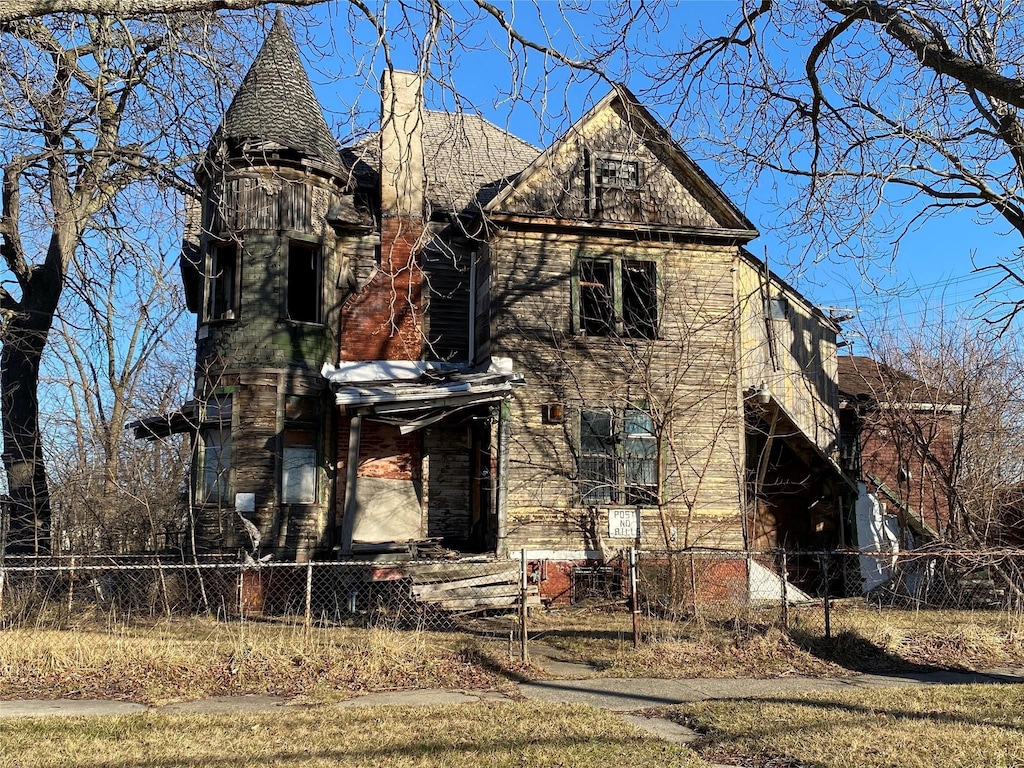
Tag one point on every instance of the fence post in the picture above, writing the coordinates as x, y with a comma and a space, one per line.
3, 581
524, 652
693, 586
241, 592
308, 619
785, 590
634, 598
71, 585
828, 605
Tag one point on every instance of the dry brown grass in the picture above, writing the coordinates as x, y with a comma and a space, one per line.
938, 727
863, 639
506, 735
195, 658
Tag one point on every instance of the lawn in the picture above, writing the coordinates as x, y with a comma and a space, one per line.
195, 658
495, 735
978, 726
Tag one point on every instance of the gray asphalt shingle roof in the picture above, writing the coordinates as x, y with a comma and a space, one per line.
467, 160
276, 103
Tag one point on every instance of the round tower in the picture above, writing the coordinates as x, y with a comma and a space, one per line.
276, 231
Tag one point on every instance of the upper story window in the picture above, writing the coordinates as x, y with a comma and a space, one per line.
222, 288
617, 297
303, 282
616, 188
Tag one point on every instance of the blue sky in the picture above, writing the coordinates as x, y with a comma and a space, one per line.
926, 278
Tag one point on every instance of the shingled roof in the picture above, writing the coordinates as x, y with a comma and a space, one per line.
863, 378
467, 160
276, 103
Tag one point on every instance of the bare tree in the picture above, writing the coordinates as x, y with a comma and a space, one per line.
90, 107
884, 113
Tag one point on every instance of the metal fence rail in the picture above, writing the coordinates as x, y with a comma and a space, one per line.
400, 593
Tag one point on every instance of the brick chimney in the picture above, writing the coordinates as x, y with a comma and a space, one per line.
383, 320
401, 144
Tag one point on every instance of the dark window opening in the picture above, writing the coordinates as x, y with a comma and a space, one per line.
618, 297
597, 304
640, 299
303, 282
618, 458
222, 297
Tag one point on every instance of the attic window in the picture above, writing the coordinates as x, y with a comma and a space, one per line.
616, 188
303, 287
778, 308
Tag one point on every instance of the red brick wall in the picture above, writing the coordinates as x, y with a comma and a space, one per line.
384, 452
382, 321
886, 446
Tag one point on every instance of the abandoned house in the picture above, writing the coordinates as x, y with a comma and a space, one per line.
444, 339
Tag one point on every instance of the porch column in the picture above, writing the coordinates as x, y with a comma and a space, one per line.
504, 438
348, 520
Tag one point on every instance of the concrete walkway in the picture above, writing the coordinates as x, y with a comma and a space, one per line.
614, 694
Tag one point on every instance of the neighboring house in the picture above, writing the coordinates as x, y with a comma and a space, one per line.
898, 442
443, 337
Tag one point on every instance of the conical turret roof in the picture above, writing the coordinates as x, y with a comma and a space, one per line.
276, 102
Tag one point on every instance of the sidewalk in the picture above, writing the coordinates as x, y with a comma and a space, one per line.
614, 694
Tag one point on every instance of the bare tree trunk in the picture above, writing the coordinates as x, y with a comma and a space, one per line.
26, 334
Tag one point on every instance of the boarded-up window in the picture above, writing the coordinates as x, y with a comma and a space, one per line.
304, 269
298, 468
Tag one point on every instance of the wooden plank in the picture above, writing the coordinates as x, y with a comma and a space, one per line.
474, 603
433, 593
427, 572
475, 581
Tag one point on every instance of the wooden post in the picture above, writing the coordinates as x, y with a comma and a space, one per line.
501, 496
634, 598
693, 585
308, 621
524, 651
348, 521
785, 591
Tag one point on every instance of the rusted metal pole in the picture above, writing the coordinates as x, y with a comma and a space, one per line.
633, 597
785, 591
524, 651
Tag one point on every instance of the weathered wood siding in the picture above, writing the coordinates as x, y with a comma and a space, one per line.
791, 350
686, 378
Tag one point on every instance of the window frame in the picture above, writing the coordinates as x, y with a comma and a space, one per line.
316, 248
215, 280
617, 325
301, 433
613, 487
216, 421
622, 182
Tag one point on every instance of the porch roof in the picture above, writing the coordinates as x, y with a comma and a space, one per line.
414, 394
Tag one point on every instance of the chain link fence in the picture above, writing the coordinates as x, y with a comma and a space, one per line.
820, 593
399, 594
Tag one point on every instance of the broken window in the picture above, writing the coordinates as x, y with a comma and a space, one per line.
222, 284
617, 297
215, 482
303, 282
616, 192
298, 468
618, 457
